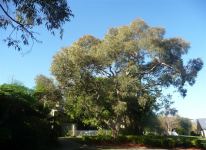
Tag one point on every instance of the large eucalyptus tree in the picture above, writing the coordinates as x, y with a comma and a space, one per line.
117, 80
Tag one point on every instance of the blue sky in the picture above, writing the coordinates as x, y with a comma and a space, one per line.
180, 18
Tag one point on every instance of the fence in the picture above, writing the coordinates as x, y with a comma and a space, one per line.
80, 133
71, 130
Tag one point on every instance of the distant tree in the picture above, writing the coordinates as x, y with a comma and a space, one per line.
49, 95
168, 123
118, 80
167, 116
185, 126
47, 92
19, 17
194, 131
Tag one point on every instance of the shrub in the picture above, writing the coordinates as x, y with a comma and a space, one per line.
150, 141
24, 122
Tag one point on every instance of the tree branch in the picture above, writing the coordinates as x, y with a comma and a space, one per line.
17, 22
159, 63
105, 72
164, 64
150, 70
110, 69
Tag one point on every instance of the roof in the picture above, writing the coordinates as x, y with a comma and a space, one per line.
202, 123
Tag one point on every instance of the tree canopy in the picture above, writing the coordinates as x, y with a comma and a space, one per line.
21, 16
118, 80
47, 92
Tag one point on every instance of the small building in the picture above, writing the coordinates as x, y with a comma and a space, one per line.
201, 126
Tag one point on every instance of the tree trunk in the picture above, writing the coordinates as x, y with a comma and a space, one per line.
115, 130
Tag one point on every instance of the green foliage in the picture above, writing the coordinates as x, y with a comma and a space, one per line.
47, 92
23, 15
149, 141
118, 80
23, 120
17, 91
167, 109
185, 126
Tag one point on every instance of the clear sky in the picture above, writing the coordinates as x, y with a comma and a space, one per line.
180, 18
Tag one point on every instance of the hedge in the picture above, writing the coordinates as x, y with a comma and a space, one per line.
149, 141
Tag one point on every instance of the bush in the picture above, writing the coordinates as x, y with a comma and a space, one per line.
153, 142
24, 122
169, 143
150, 141
193, 133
